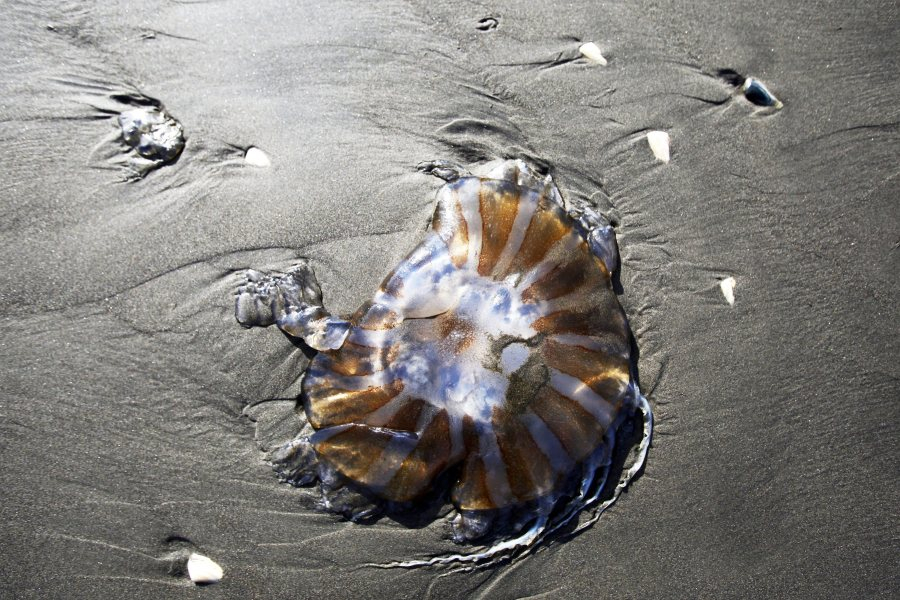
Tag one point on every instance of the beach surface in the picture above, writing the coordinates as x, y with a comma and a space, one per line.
136, 412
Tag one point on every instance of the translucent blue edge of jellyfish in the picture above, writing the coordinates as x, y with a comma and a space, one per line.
595, 473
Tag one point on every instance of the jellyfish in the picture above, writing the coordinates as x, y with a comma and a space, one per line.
155, 136
494, 362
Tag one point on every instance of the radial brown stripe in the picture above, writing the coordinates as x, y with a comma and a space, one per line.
355, 359
578, 431
326, 407
596, 322
404, 419
375, 317
499, 205
471, 491
354, 450
437, 218
576, 274
601, 372
545, 229
430, 456
393, 284
458, 243
528, 471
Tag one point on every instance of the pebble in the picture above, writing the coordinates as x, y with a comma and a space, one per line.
757, 93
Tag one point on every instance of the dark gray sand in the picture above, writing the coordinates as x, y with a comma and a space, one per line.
134, 409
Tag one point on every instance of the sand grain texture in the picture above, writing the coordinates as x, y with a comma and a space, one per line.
133, 408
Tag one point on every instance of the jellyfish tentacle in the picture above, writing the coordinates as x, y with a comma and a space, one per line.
293, 302
643, 407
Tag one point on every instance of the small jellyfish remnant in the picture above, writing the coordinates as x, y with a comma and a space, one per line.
495, 360
154, 135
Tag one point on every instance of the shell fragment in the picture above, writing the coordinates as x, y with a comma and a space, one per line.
203, 570
256, 157
591, 51
727, 287
659, 144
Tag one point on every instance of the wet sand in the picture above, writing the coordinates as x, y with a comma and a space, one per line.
136, 412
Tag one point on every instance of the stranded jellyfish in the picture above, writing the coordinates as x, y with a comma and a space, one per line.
494, 362
156, 137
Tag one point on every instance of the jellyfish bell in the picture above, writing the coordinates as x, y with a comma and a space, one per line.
495, 357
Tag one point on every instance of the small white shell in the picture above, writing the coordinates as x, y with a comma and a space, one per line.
202, 569
591, 51
727, 286
256, 157
659, 144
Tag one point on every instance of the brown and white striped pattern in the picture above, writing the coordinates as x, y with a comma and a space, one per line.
418, 387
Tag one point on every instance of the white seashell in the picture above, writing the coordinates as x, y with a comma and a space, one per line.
659, 144
202, 569
727, 286
591, 51
256, 157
